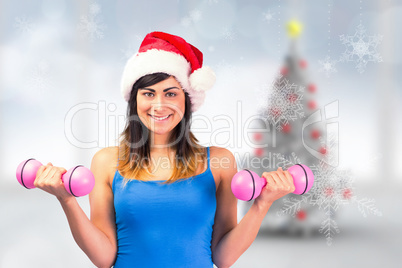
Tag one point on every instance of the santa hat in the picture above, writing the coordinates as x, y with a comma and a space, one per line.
165, 53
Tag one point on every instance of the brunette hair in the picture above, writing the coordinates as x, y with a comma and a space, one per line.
134, 146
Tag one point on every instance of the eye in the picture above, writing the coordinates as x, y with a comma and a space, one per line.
148, 94
171, 94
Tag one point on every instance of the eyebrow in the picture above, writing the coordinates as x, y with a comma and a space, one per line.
153, 90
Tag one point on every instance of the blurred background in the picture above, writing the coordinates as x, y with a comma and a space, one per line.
60, 68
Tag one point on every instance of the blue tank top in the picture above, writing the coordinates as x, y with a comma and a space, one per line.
165, 225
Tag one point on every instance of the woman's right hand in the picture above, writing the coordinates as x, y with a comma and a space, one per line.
48, 178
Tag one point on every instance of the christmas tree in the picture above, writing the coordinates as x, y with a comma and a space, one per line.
293, 131
284, 138
288, 102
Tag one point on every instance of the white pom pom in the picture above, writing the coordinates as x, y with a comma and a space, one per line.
197, 99
202, 79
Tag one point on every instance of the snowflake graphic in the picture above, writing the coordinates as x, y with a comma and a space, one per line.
94, 9
268, 16
39, 79
361, 48
284, 103
23, 25
332, 188
228, 34
327, 66
193, 17
91, 25
288, 161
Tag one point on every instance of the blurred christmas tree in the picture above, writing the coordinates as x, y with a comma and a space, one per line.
287, 104
286, 137
294, 131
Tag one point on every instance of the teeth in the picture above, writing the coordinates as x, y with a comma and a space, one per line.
160, 118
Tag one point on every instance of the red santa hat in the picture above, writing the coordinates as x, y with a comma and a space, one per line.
165, 53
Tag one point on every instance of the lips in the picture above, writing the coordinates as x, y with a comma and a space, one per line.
160, 118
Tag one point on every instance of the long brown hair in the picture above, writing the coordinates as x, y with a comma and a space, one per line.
134, 146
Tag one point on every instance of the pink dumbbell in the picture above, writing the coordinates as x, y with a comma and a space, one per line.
78, 181
247, 185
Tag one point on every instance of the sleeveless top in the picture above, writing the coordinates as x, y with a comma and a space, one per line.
165, 225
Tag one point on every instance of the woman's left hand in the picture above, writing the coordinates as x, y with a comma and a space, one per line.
279, 184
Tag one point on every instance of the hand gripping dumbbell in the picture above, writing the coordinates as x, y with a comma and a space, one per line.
78, 181
247, 185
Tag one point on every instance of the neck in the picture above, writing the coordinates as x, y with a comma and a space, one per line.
159, 143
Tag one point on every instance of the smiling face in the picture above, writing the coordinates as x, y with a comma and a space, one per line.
161, 106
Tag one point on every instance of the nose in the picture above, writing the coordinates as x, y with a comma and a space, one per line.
159, 104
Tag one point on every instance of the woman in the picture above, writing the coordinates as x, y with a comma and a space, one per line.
160, 199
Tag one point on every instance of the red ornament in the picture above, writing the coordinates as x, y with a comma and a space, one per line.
347, 194
329, 191
259, 152
276, 112
315, 134
284, 71
312, 105
257, 136
312, 88
286, 128
292, 97
323, 150
301, 215
303, 64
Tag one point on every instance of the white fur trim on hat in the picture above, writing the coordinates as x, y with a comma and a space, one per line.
154, 61
202, 79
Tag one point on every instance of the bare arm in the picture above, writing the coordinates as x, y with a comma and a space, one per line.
230, 240
96, 237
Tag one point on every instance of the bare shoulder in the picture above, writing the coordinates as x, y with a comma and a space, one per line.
223, 163
222, 157
105, 162
107, 153
216, 150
